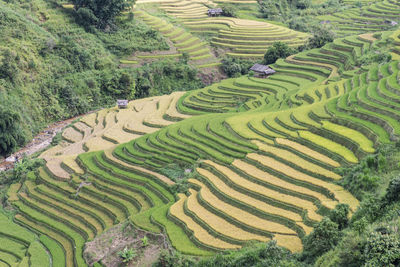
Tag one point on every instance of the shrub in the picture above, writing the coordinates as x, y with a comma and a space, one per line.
349, 252
302, 4
97, 12
145, 241
375, 55
276, 51
11, 135
86, 17
323, 238
127, 254
321, 35
234, 67
299, 24
23, 167
259, 254
175, 260
362, 178
270, 9
393, 190
119, 84
185, 58
165, 77
370, 209
382, 249
229, 10
340, 214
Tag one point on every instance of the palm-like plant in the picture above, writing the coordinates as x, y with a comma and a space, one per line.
127, 254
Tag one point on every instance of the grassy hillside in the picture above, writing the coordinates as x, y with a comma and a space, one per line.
52, 69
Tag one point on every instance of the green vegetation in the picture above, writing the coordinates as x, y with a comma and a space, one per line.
276, 51
11, 133
370, 238
70, 77
98, 13
234, 67
229, 10
127, 255
164, 77
300, 168
17, 243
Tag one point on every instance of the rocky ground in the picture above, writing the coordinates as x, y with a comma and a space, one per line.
105, 247
39, 142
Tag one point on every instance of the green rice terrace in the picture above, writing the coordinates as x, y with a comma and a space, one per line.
244, 160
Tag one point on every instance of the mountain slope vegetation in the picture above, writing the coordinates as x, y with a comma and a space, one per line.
51, 68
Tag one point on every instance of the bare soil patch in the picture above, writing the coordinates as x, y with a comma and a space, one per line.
106, 246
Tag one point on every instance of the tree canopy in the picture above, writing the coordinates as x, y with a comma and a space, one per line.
276, 51
99, 13
321, 35
11, 136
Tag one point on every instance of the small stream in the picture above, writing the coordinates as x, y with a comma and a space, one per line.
39, 142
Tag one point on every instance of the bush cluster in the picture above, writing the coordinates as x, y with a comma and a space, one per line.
234, 67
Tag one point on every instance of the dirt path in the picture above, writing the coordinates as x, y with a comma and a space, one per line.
40, 141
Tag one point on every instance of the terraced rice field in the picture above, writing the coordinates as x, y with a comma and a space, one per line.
246, 38
181, 41
396, 49
240, 37
109, 127
20, 246
369, 18
261, 155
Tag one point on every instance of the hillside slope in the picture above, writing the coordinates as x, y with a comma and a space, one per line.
52, 69
242, 161
262, 170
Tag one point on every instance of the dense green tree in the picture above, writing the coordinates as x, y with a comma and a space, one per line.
340, 214
100, 13
324, 237
11, 135
119, 84
270, 9
234, 67
302, 4
276, 51
382, 249
393, 190
321, 35
228, 10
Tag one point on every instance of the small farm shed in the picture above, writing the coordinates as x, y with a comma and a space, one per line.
214, 12
122, 103
262, 71
391, 22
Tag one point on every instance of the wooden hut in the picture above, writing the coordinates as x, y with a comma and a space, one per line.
262, 71
122, 103
391, 22
213, 12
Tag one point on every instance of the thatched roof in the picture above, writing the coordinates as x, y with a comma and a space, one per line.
215, 11
264, 69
